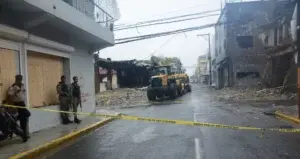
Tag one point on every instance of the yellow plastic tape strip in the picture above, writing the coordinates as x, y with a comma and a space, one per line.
167, 121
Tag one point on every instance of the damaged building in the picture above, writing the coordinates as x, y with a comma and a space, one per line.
127, 73
239, 56
279, 38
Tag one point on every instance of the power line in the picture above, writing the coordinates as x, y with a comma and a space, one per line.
165, 19
168, 32
149, 36
159, 23
140, 23
176, 17
179, 10
161, 34
164, 44
174, 21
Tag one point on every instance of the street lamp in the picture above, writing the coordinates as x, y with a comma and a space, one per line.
209, 54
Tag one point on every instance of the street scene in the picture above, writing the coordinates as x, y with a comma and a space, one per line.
136, 139
134, 79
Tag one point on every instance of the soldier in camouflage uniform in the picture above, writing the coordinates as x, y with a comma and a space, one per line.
76, 98
64, 99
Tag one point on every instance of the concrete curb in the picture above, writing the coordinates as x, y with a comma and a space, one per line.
286, 117
134, 106
152, 104
59, 141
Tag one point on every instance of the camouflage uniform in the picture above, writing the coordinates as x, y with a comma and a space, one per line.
64, 100
76, 98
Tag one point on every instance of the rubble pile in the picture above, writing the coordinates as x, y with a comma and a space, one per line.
122, 97
253, 93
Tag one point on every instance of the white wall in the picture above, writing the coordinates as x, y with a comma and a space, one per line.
40, 120
82, 65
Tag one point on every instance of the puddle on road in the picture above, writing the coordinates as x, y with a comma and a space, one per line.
144, 135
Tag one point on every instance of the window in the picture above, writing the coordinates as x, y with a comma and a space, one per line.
266, 40
247, 75
286, 32
280, 32
244, 41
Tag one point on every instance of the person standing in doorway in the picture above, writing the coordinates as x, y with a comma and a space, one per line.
16, 96
64, 99
76, 98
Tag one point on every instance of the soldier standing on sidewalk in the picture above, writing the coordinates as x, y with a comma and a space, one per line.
76, 98
64, 99
16, 96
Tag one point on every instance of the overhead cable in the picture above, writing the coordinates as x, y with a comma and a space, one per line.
163, 14
165, 19
150, 36
168, 22
160, 47
168, 32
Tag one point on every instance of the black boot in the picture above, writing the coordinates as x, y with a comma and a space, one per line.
76, 120
65, 121
25, 138
18, 131
22, 130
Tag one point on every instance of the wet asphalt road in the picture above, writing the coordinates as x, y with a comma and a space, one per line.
137, 139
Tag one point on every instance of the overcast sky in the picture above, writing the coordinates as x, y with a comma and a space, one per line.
185, 46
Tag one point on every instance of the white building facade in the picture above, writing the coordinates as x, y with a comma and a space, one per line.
43, 40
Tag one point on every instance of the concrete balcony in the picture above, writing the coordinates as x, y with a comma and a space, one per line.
64, 21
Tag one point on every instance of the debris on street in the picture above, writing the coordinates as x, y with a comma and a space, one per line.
122, 97
253, 93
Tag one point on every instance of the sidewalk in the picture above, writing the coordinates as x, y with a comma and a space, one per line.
12, 147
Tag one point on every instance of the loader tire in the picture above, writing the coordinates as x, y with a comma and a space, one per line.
151, 95
173, 91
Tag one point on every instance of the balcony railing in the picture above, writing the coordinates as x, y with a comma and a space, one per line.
92, 8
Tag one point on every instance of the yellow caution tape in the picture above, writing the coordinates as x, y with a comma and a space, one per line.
167, 121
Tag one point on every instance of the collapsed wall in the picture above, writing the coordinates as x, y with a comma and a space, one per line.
281, 69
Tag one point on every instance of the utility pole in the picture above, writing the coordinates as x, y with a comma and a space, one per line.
209, 56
